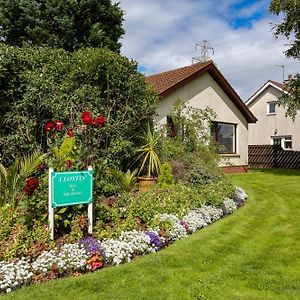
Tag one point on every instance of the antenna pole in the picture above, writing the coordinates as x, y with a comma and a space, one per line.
205, 49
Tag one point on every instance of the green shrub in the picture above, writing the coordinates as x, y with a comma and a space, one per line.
41, 84
165, 177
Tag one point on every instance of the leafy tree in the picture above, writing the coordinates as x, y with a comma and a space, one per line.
289, 27
68, 24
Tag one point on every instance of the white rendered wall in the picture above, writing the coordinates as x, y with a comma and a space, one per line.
204, 91
272, 125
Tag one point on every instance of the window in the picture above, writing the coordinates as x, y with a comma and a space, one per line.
271, 108
173, 129
225, 137
284, 141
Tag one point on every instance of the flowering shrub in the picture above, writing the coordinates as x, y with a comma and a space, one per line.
228, 206
155, 240
14, 274
195, 220
70, 258
213, 212
177, 231
240, 197
31, 185
90, 254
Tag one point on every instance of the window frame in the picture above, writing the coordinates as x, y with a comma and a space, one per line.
269, 113
283, 140
217, 140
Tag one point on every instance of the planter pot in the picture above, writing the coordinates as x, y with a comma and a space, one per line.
146, 183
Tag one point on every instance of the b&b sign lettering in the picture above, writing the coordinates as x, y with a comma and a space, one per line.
71, 188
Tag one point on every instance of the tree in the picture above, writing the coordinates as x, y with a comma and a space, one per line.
68, 24
289, 27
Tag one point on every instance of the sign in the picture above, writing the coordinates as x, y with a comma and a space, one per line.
71, 188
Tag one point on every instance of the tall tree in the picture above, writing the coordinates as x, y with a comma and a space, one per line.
289, 27
68, 24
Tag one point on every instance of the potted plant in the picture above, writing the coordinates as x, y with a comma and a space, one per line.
150, 162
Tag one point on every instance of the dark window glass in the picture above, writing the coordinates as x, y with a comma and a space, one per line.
271, 107
173, 129
224, 134
277, 141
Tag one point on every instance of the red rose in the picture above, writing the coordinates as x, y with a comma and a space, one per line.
49, 127
70, 132
99, 121
68, 164
86, 118
31, 185
59, 125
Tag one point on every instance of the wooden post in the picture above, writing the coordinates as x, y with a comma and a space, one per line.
50, 209
90, 212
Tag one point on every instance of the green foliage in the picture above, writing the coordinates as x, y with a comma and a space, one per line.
165, 178
124, 181
195, 123
61, 24
291, 99
140, 211
13, 178
290, 28
38, 85
148, 154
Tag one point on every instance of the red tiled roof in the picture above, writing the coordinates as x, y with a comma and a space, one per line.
162, 82
278, 84
166, 82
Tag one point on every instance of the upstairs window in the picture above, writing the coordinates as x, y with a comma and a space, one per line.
225, 136
271, 108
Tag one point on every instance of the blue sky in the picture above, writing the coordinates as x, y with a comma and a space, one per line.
161, 35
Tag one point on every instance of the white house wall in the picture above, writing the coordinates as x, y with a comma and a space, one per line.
204, 91
268, 126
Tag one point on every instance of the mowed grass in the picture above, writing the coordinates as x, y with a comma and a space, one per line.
252, 254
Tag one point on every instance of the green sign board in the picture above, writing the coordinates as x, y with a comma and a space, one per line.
71, 188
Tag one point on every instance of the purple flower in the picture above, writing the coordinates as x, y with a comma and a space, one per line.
91, 245
154, 239
185, 225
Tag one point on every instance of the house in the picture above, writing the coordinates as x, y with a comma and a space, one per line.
201, 85
273, 127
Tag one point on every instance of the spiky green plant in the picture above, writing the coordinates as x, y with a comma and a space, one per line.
125, 181
148, 154
12, 178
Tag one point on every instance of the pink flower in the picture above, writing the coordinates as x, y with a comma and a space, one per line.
96, 265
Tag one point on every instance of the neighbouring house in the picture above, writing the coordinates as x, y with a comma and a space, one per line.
272, 127
201, 85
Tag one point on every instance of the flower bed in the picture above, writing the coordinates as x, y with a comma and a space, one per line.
89, 254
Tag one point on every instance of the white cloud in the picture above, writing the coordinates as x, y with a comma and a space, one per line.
161, 35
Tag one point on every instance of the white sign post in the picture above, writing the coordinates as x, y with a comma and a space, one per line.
90, 211
50, 208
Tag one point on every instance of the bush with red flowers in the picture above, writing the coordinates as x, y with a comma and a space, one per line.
31, 185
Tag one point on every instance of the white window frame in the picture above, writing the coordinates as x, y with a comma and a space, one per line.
268, 108
283, 140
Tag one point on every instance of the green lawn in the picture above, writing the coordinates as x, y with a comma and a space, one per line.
253, 254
